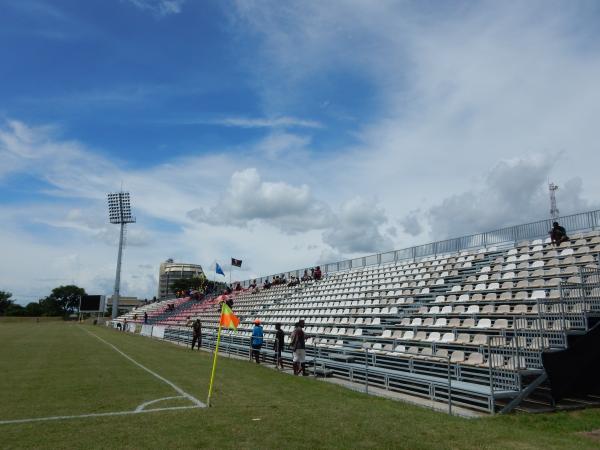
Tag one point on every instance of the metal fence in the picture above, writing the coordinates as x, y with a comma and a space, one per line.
505, 236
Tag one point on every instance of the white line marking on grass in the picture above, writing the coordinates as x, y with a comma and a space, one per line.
190, 397
143, 405
108, 414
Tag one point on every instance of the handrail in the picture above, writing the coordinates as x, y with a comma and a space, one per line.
583, 221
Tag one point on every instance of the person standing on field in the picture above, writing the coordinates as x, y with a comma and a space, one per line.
197, 333
278, 346
298, 345
257, 340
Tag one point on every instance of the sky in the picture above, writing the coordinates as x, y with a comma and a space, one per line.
285, 134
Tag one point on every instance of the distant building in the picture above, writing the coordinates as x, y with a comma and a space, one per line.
125, 303
170, 271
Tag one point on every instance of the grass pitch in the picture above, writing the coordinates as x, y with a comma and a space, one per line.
58, 369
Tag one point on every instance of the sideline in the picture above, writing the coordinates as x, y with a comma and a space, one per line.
108, 414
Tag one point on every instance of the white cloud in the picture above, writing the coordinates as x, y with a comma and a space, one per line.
291, 209
513, 191
263, 122
283, 145
159, 8
357, 228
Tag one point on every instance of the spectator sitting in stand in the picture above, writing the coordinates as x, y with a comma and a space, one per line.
312, 273
558, 234
293, 281
318, 274
305, 276
238, 287
266, 284
282, 279
253, 284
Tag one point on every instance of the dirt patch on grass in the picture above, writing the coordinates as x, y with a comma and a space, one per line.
594, 434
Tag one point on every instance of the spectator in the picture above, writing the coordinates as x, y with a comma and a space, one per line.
253, 285
305, 276
558, 234
298, 346
257, 340
318, 273
145, 317
125, 324
197, 333
229, 302
266, 284
278, 346
135, 317
238, 287
312, 273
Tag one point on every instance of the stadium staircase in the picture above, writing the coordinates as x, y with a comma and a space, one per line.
474, 328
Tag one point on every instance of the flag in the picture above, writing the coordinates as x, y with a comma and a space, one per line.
219, 270
236, 262
228, 318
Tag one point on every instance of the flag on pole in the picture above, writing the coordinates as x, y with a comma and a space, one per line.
236, 262
219, 270
228, 318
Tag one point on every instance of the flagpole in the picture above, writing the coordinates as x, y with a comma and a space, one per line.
230, 270
212, 375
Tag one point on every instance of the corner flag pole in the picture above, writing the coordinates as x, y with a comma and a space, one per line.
212, 375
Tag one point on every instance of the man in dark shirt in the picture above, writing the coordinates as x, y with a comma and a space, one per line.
298, 345
558, 234
278, 346
197, 333
318, 273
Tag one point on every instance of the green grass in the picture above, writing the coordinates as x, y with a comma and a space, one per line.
55, 368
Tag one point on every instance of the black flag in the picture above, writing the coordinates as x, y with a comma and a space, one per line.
236, 262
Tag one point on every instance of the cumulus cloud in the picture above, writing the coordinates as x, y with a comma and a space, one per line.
512, 192
357, 228
290, 208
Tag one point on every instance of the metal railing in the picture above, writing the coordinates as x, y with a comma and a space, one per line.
504, 236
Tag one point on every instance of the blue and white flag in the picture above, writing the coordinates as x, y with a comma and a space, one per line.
219, 270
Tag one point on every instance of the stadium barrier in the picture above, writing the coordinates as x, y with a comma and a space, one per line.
502, 237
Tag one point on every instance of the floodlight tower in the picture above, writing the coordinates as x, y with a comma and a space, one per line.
553, 208
119, 212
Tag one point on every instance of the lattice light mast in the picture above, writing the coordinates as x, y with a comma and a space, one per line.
554, 212
119, 212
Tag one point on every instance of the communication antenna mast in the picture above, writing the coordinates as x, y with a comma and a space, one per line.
119, 212
554, 212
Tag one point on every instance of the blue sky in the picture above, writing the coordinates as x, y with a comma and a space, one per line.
283, 133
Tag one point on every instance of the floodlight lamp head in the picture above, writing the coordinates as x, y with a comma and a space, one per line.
119, 208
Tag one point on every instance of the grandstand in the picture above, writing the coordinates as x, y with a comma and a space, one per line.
471, 326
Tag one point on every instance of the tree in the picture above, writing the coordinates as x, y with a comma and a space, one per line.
49, 306
15, 310
68, 297
5, 301
62, 301
33, 310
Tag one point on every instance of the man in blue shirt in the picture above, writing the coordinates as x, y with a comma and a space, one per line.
257, 340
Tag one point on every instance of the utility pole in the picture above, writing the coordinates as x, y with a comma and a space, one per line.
554, 212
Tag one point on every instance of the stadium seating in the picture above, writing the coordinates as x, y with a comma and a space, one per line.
468, 325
